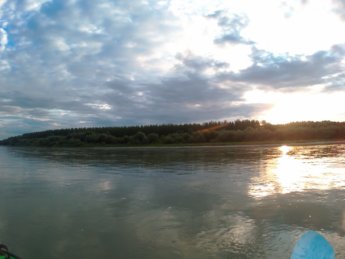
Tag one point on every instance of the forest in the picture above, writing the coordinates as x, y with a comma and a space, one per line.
195, 133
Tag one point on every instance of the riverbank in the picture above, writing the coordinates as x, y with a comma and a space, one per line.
213, 133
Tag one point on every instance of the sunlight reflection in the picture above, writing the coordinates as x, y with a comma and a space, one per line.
105, 185
285, 149
292, 173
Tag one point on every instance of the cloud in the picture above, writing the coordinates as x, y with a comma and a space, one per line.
188, 96
77, 63
199, 64
87, 63
339, 8
291, 72
231, 25
3, 39
63, 53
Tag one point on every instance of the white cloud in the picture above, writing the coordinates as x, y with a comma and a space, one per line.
3, 39
310, 28
100, 106
2, 2
34, 5
4, 65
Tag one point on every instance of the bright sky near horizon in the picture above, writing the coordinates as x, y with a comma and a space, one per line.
82, 63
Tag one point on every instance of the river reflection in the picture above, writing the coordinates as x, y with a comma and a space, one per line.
186, 202
294, 171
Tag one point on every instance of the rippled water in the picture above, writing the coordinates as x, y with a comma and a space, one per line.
192, 202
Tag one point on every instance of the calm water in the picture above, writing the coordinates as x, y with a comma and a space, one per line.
194, 202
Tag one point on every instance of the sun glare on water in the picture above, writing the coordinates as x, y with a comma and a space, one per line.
290, 172
285, 149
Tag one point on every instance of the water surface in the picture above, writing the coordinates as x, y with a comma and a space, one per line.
186, 202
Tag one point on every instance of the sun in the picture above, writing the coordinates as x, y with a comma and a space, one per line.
298, 106
303, 107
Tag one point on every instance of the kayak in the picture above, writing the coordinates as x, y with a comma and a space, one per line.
8, 257
5, 254
312, 245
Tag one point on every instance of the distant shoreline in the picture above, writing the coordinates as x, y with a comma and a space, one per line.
199, 145
239, 132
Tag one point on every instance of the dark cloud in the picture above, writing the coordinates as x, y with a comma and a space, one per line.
188, 97
232, 25
190, 62
63, 53
291, 72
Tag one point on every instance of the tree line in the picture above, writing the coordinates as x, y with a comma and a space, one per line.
194, 133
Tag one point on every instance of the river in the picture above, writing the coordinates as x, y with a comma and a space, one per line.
176, 202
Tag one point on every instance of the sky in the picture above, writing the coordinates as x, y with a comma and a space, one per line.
87, 63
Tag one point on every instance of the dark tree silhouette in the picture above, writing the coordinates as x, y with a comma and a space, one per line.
210, 132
